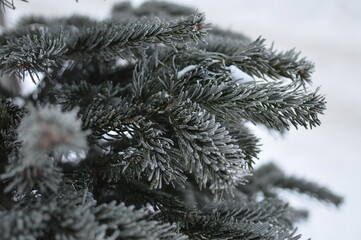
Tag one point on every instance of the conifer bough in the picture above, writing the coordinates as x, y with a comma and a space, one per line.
138, 129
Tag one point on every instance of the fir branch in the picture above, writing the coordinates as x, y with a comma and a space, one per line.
68, 217
156, 160
159, 158
273, 104
73, 220
102, 108
272, 211
269, 177
217, 220
309, 188
24, 224
10, 117
36, 53
130, 40
144, 153
257, 60
126, 222
210, 152
10, 114
32, 53
143, 85
101, 117
226, 215
247, 141
218, 227
24, 176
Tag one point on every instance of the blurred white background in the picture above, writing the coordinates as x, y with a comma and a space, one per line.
328, 32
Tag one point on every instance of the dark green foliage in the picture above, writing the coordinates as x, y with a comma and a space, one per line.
248, 142
37, 50
138, 129
74, 217
269, 178
24, 177
209, 151
256, 59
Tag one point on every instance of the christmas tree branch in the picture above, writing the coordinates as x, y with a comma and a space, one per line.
210, 151
41, 50
257, 60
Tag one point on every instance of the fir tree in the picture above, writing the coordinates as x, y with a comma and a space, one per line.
138, 129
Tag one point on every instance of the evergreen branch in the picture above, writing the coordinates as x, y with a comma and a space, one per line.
227, 219
231, 215
269, 177
151, 156
102, 117
32, 53
273, 104
272, 211
10, 115
143, 85
210, 152
158, 156
166, 200
219, 227
73, 218
257, 60
41, 174
126, 222
247, 141
38, 52
70, 218
131, 40
309, 188
24, 224
102, 108
143, 152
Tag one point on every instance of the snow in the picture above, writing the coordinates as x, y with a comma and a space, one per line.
236, 73
185, 70
239, 76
